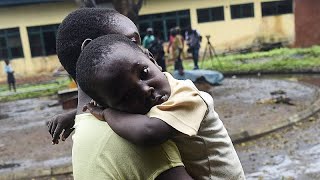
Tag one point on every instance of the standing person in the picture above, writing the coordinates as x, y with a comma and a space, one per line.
10, 75
171, 38
193, 39
148, 39
98, 152
177, 49
147, 107
157, 50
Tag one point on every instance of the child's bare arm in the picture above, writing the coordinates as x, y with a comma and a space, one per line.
138, 129
59, 123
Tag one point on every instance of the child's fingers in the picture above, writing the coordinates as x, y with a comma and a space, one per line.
53, 128
98, 115
95, 110
58, 130
88, 107
85, 108
66, 133
55, 142
49, 124
93, 102
91, 105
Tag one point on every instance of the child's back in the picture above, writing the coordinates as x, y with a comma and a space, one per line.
208, 153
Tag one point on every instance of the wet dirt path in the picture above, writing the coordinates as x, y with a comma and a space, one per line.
25, 142
237, 103
289, 153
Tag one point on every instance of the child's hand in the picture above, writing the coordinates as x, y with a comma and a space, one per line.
59, 123
95, 110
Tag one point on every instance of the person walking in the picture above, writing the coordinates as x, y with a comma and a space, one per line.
157, 50
193, 39
10, 75
171, 38
148, 39
177, 49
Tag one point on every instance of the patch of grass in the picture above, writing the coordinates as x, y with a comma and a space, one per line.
277, 60
34, 90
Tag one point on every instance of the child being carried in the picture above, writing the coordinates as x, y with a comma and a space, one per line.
147, 107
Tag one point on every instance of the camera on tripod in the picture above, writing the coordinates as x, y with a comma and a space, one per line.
210, 49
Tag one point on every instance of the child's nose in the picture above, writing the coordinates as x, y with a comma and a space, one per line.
148, 90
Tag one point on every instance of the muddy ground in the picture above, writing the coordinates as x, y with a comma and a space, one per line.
287, 154
26, 144
244, 103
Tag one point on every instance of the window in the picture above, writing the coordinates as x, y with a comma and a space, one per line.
163, 22
276, 7
10, 44
210, 14
42, 40
242, 11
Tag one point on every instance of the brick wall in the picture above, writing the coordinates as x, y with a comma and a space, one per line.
307, 22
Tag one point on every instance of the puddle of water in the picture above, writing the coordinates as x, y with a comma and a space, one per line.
305, 165
281, 166
311, 153
26, 164
3, 116
11, 165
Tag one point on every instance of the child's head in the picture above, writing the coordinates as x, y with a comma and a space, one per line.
89, 23
116, 73
173, 32
7, 61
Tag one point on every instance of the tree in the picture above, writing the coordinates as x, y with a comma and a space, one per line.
129, 8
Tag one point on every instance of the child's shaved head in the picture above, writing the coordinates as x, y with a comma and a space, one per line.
117, 73
89, 23
97, 59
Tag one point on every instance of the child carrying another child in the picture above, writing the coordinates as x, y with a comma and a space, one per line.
98, 152
131, 84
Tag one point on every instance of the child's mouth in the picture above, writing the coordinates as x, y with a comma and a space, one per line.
160, 99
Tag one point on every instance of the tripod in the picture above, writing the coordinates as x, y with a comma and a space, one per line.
212, 52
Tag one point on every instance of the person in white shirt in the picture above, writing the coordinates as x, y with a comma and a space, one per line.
10, 75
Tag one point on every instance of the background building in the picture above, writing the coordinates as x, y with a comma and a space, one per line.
28, 27
231, 24
27, 34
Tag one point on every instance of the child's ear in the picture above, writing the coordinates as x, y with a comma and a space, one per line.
85, 42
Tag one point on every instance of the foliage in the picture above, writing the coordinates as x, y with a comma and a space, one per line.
129, 8
277, 60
